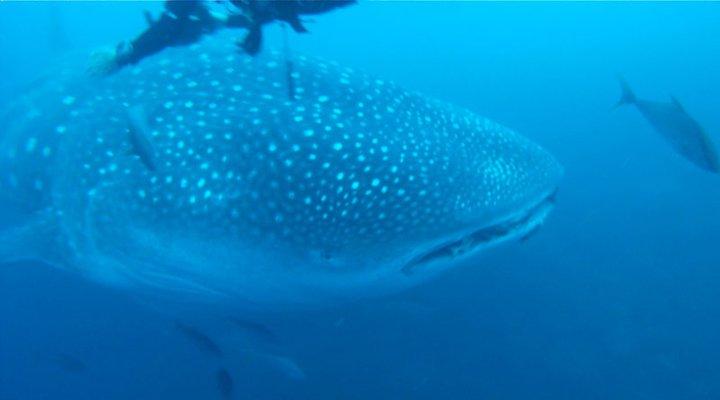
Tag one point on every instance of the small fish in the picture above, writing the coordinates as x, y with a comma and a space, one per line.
224, 383
201, 340
255, 329
676, 126
139, 136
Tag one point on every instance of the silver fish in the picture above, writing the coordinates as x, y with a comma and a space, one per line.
677, 127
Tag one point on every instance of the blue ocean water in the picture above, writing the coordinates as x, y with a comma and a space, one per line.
615, 297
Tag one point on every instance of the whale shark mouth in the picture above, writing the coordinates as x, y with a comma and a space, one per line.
519, 226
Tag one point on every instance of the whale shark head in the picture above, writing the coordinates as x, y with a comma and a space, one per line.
230, 188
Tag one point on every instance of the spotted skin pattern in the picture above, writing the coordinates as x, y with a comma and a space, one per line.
353, 176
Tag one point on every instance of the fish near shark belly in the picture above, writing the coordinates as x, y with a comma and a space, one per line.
247, 194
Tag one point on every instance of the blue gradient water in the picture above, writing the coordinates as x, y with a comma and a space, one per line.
616, 297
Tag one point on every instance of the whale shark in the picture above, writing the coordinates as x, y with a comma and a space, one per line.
192, 174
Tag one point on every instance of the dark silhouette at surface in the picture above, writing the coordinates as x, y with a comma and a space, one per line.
182, 23
261, 12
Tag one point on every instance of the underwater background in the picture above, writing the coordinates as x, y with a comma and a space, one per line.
615, 297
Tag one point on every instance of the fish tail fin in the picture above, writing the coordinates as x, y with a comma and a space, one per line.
31, 240
627, 96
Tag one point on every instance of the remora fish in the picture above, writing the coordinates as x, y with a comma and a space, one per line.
139, 138
676, 126
354, 188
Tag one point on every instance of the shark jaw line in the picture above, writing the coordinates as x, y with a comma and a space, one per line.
518, 226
